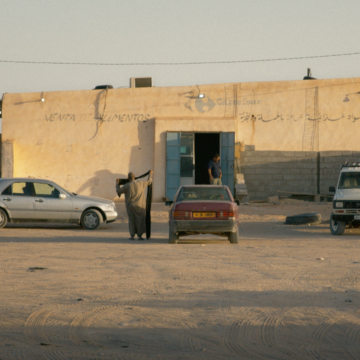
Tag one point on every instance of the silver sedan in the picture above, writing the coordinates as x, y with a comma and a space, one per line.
36, 200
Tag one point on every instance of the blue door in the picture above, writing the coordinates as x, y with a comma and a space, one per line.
227, 149
172, 164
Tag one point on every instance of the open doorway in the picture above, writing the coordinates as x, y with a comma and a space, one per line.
206, 146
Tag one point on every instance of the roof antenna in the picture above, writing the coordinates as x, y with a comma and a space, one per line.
308, 77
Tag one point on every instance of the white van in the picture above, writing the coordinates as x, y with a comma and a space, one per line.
346, 201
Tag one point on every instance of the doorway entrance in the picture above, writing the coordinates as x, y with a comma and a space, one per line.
206, 146
188, 154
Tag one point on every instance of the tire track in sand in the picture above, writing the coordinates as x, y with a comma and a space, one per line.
353, 341
79, 329
187, 341
35, 324
306, 278
312, 280
35, 331
56, 355
254, 336
81, 323
190, 343
289, 278
12, 353
239, 333
7, 267
232, 335
268, 334
319, 339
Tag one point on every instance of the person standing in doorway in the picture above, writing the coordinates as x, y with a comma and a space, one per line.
135, 204
214, 170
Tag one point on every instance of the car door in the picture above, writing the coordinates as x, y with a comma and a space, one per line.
49, 205
19, 200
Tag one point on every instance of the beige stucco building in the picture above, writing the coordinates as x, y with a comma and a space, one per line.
84, 140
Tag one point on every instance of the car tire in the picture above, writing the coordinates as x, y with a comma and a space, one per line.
91, 219
337, 227
304, 219
173, 238
234, 237
3, 218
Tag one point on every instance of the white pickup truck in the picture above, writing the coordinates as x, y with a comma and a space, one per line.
346, 201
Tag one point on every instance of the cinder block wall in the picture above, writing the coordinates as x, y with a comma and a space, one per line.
266, 172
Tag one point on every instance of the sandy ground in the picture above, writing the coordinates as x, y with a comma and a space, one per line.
102, 296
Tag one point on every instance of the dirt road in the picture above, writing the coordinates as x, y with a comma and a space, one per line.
101, 296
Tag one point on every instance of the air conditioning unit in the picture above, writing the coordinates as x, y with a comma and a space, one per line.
141, 82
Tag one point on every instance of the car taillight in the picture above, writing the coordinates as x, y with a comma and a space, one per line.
182, 214
225, 214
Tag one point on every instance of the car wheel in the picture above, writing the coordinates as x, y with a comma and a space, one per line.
234, 237
91, 219
337, 227
173, 238
3, 218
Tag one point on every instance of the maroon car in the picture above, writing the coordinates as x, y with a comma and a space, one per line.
203, 209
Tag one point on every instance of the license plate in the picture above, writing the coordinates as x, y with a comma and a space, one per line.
357, 217
204, 214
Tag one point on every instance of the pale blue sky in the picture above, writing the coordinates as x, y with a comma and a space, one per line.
118, 31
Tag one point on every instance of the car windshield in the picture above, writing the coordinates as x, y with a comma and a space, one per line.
203, 193
349, 180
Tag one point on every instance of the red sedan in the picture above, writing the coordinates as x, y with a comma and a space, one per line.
203, 209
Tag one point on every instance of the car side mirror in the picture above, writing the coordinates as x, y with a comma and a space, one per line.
168, 203
237, 201
332, 189
62, 196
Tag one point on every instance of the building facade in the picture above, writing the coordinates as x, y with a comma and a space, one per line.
84, 140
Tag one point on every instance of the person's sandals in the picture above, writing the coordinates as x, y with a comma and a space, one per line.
140, 238
131, 238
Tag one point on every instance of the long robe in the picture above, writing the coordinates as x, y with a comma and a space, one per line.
135, 205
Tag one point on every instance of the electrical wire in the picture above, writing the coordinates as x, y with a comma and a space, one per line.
175, 63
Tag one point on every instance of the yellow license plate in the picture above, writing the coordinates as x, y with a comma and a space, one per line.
204, 214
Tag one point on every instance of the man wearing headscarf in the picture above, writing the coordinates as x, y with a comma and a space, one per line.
135, 204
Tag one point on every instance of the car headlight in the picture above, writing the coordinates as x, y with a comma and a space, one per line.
339, 204
110, 208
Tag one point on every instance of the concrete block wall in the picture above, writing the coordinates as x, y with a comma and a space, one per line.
266, 172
